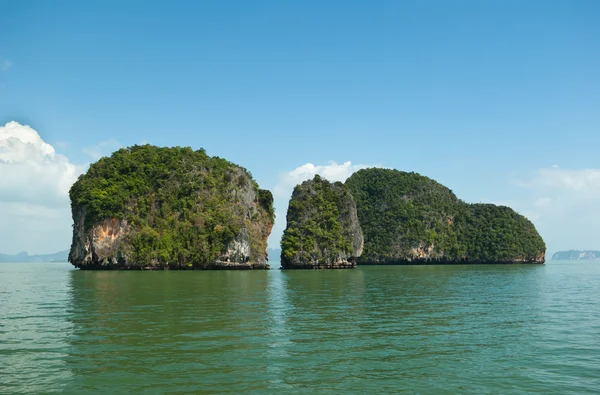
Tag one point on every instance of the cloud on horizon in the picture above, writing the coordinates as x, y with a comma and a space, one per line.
565, 206
34, 192
581, 183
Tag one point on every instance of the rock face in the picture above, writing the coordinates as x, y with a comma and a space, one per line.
322, 228
169, 208
411, 219
102, 246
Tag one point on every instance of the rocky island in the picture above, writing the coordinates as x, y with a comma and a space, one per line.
147, 207
322, 227
407, 218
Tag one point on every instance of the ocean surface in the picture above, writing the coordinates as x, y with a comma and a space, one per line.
400, 329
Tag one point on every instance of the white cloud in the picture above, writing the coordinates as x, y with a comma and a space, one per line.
288, 180
332, 172
565, 206
104, 148
583, 183
34, 187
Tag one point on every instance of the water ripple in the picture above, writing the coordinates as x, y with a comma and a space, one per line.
441, 329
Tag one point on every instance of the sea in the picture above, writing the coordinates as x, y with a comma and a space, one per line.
476, 329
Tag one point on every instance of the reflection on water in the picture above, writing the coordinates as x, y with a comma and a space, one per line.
318, 317
279, 331
443, 329
166, 331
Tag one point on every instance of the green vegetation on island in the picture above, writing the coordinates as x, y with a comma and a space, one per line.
410, 218
400, 212
490, 233
153, 207
322, 227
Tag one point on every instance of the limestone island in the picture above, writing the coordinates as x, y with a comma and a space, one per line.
322, 227
407, 218
147, 207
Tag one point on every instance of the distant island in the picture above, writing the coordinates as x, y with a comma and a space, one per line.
576, 255
150, 208
24, 257
405, 218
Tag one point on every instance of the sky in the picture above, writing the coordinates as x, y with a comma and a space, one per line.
498, 100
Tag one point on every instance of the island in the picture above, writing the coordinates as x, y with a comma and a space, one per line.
322, 229
407, 218
576, 255
148, 207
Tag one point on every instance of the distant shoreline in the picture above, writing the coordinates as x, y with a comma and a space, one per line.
573, 255
24, 257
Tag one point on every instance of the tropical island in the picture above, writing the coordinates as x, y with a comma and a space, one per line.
147, 207
407, 218
322, 227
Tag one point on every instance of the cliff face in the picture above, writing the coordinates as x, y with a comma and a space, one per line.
101, 246
322, 228
411, 219
169, 208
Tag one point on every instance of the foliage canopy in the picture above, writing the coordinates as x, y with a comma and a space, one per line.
406, 216
184, 207
322, 226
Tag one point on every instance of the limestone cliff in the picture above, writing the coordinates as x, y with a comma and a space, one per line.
408, 218
169, 208
322, 228
101, 246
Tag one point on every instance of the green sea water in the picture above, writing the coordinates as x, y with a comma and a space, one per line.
400, 329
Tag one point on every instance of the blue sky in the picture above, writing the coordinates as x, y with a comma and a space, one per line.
498, 100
